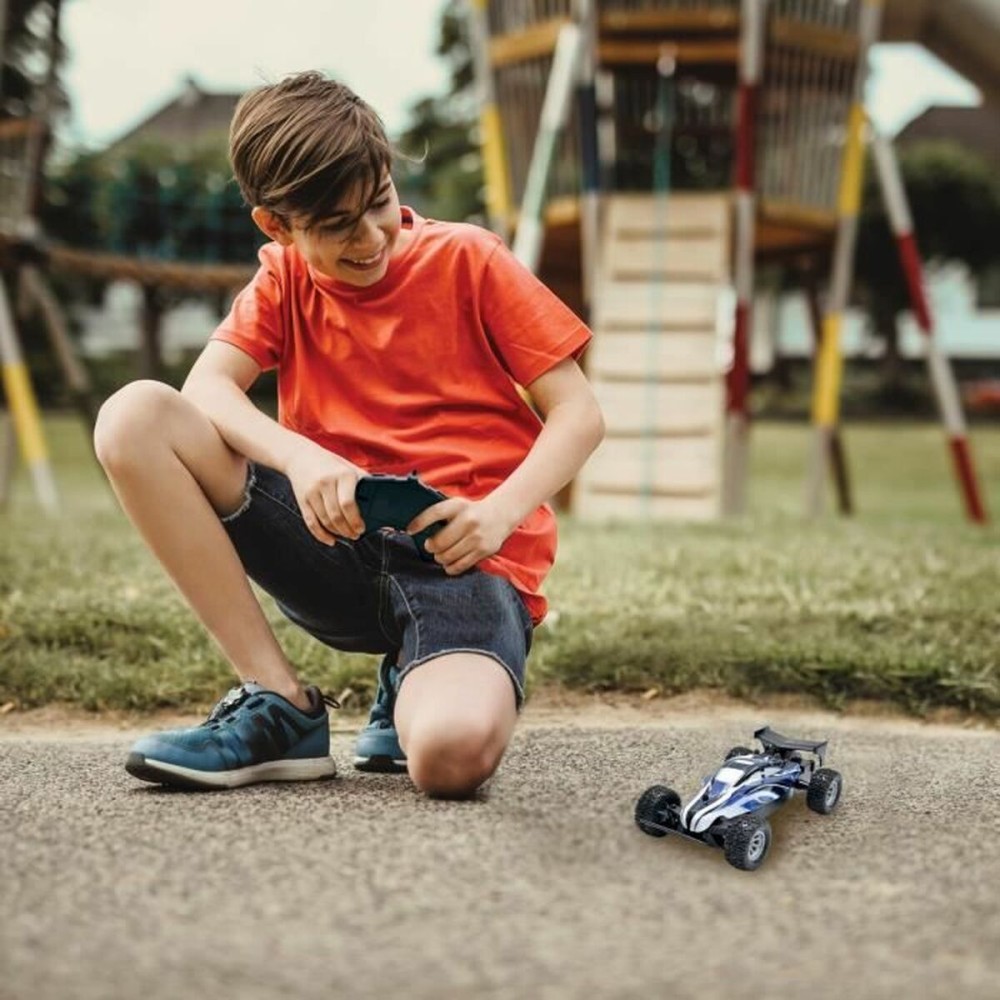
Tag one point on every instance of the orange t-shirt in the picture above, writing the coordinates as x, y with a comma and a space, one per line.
417, 372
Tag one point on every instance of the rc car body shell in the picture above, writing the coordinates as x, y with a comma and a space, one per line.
752, 783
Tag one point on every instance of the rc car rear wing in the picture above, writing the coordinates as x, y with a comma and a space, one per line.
771, 740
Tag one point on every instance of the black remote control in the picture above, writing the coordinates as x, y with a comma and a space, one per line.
394, 501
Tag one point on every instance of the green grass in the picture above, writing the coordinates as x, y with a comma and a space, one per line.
898, 603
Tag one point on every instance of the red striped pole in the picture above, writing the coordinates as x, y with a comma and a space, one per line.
942, 377
738, 376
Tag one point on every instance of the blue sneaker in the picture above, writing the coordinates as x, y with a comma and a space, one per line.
251, 735
378, 746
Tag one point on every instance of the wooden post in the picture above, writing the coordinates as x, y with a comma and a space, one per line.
8, 455
590, 168
150, 353
24, 408
39, 294
491, 142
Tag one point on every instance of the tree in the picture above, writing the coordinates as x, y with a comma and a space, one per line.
955, 200
440, 170
28, 43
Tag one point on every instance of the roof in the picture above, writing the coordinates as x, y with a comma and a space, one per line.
978, 129
193, 118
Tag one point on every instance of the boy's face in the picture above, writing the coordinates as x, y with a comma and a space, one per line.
357, 254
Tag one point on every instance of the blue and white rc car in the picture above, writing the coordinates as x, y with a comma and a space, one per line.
731, 806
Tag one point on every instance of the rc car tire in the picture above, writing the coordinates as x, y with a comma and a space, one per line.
657, 808
824, 791
738, 752
747, 842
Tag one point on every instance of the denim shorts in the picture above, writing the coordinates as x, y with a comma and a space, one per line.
374, 595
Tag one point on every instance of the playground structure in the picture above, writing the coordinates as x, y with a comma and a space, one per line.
705, 136
645, 154
24, 259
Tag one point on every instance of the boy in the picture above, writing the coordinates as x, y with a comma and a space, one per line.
398, 342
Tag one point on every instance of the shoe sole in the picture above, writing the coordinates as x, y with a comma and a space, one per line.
162, 773
380, 764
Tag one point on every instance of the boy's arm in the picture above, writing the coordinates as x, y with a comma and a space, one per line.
574, 427
323, 483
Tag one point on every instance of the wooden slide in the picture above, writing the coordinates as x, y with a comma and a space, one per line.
662, 320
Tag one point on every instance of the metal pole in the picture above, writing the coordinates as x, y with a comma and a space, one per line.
555, 111
24, 409
830, 363
836, 454
736, 445
498, 201
942, 377
586, 12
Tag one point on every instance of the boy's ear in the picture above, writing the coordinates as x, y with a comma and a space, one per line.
271, 225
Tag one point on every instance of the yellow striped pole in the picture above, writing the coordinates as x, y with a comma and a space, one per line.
497, 179
24, 409
829, 362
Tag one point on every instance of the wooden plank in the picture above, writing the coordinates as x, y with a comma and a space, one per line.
682, 304
645, 215
798, 216
635, 53
604, 507
677, 258
675, 378
531, 43
653, 354
688, 408
638, 21
661, 465
813, 38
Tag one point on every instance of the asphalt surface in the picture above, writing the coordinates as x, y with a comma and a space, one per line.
541, 888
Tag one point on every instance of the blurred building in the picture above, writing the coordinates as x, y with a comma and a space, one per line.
194, 120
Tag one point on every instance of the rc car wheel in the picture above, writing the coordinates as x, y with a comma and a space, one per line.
657, 811
747, 842
824, 790
739, 752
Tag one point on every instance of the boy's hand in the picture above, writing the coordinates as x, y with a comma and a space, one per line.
323, 484
475, 529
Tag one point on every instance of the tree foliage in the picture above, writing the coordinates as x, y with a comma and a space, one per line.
27, 46
440, 170
954, 197
156, 201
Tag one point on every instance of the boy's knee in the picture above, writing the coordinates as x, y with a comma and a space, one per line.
128, 419
453, 760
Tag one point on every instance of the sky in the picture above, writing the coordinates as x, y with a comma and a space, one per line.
129, 57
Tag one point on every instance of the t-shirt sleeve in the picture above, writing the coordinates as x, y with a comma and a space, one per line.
254, 323
531, 329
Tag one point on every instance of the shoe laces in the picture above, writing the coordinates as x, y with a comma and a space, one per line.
328, 699
228, 703
234, 697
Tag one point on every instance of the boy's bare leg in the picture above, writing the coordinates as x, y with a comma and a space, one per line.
174, 476
455, 716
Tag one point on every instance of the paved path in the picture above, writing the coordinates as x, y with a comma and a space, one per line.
543, 888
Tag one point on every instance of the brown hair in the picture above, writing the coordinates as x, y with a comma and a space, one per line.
299, 146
